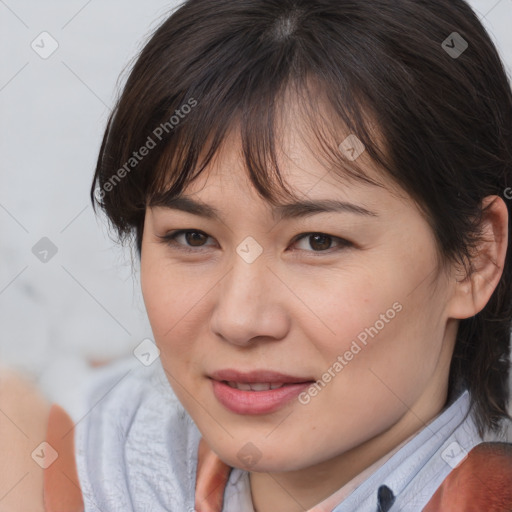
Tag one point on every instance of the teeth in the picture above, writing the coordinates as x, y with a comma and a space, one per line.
260, 387
256, 386
240, 385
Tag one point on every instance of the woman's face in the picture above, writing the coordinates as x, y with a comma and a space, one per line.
250, 297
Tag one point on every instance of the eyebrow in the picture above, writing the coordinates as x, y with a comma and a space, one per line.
294, 210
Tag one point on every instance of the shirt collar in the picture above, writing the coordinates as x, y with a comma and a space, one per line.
413, 473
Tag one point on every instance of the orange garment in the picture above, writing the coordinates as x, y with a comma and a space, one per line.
61, 487
483, 481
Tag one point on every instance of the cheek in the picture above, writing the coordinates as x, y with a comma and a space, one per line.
382, 333
166, 293
387, 359
176, 304
171, 315
160, 302
167, 301
352, 307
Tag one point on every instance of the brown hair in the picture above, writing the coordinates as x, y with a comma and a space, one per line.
426, 74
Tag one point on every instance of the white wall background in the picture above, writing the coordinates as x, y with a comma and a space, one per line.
84, 304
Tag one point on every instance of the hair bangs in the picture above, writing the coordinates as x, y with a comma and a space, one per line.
260, 120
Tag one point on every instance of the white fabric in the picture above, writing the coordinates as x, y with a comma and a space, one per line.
136, 450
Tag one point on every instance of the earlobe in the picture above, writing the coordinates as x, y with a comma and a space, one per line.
473, 290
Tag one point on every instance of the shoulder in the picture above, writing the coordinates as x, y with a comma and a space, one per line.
481, 481
126, 391
24, 413
135, 434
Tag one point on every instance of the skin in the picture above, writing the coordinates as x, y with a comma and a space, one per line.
295, 310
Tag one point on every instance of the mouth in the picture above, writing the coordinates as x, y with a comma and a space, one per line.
257, 377
256, 392
255, 386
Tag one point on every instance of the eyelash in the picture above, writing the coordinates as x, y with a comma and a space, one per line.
170, 240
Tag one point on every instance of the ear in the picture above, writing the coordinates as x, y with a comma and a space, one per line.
472, 292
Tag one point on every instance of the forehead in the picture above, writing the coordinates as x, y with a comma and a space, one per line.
303, 169
316, 156
224, 188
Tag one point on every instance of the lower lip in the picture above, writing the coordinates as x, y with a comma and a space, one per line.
256, 402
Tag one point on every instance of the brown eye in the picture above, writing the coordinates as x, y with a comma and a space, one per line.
195, 238
320, 242
185, 239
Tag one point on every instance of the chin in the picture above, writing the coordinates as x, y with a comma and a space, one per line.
256, 458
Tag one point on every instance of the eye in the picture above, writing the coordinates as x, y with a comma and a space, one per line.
190, 236
192, 240
321, 242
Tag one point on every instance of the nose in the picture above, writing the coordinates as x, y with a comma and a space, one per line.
249, 305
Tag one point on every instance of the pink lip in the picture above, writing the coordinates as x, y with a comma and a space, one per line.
256, 402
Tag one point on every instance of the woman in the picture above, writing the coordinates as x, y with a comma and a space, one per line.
316, 193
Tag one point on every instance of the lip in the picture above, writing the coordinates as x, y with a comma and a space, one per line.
256, 402
257, 376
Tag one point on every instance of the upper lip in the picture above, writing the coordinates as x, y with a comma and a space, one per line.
255, 376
